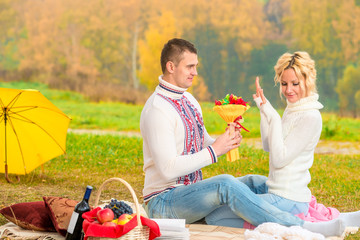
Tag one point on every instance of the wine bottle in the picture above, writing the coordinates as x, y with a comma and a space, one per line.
74, 231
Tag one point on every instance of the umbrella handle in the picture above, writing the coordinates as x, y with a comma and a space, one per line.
7, 177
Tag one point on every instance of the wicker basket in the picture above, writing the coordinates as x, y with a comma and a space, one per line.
140, 231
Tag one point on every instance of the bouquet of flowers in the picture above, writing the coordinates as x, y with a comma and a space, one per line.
231, 108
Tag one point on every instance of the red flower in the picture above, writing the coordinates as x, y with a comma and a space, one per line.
217, 102
232, 100
241, 102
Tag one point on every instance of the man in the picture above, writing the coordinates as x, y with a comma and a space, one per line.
176, 146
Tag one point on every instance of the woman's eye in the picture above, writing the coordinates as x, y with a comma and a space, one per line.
283, 84
295, 84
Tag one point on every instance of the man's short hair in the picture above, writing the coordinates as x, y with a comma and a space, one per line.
173, 50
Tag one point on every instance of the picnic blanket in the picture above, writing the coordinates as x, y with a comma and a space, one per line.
13, 231
274, 231
197, 232
317, 212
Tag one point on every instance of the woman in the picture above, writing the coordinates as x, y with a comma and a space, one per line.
290, 141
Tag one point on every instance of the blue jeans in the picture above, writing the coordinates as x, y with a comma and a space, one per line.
196, 201
224, 216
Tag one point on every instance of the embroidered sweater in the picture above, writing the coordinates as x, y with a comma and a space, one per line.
176, 144
291, 142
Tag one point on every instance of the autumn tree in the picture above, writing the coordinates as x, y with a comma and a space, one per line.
160, 30
224, 32
37, 48
9, 34
309, 24
262, 62
348, 89
347, 27
107, 49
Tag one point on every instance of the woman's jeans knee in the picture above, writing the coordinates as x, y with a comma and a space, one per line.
224, 216
196, 201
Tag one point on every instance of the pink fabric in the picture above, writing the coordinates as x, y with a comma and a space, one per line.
248, 225
318, 212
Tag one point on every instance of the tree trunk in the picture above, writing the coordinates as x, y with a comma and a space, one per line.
133, 56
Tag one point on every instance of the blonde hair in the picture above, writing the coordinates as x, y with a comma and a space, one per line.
304, 68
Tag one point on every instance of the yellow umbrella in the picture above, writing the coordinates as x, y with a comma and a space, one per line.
32, 131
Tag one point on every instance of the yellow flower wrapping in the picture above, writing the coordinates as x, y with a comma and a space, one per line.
230, 113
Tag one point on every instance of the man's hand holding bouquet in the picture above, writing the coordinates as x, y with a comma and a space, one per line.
231, 108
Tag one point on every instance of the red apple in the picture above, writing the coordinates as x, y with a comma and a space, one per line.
105, 215
124, 218
110, 224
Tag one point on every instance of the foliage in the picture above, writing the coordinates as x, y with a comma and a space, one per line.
117, 116
262, 65
91, 159
348, 89
346, 25
199, 89
8, 47
314, 33
160, 31
110, 50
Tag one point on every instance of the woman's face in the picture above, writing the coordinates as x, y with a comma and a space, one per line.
290, 86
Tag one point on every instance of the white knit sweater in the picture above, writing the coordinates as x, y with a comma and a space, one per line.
173, 154
291, 143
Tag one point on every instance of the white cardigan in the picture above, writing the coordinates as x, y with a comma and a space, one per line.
291, 142
164, 140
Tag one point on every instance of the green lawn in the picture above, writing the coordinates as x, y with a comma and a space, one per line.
91, 159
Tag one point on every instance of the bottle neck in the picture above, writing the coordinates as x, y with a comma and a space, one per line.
87, 193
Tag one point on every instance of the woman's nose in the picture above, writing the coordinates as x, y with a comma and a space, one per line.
288, 88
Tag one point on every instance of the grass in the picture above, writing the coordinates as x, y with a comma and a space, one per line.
91, 159
125, 117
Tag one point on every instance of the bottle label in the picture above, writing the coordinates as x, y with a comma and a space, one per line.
72, 223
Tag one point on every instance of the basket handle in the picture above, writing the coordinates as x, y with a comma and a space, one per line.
131, 191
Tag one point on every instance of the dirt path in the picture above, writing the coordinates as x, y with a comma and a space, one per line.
324, 146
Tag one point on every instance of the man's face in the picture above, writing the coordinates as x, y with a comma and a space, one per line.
185, 71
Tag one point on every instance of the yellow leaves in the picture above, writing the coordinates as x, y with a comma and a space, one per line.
160, 30
348, 89
347, 26
199, 89
309, 24
243, 20
119, 42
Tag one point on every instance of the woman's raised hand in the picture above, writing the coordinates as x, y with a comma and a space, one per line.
259, 92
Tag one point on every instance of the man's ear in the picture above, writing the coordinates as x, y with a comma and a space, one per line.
170, 66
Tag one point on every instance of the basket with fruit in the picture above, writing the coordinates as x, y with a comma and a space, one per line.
231, 108
116, 220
